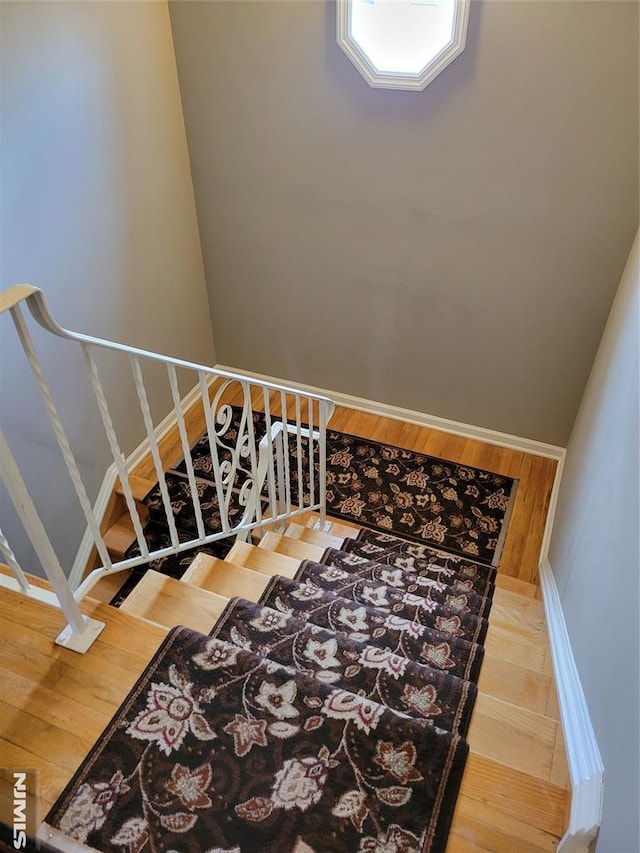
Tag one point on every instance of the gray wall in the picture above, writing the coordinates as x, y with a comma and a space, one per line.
98, 211
454, 251
595, 557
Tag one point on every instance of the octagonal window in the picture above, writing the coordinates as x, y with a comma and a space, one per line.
402, 44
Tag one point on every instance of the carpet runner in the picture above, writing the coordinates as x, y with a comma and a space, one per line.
329, 715
375, 626
396, 551
218, 748
336, 659
455, 508
396, 571
404, 593
418, 609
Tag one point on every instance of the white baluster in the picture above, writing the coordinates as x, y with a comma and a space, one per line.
279, 443
81, 630
153, 446
271, 477
244, 461
213, 449
322, 453
186, 450
312, 499
285, 448
118, 456
301, 489
13, 564
235, 463
63, 442
246, 391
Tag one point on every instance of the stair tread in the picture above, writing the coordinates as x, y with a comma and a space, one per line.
495, 789
170, 602
513, 735
120, 536
518, 801
225, 578
340, 528
323, 541
313, 537
140, 487
263, 559
511, 610
516, 737
515, 671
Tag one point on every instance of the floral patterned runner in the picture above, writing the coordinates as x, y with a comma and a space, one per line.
413, 557
333, 658
217, 749
386, 587
392, 570
375, 626
457, 508
412, 608
453, 507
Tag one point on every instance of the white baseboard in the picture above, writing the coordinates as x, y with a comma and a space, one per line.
502, 439
583, 756
551, 512
512, 442
489, 436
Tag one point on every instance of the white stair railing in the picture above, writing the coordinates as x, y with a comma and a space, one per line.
262, 468
81, 631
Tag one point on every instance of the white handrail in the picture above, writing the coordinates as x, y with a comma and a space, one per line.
37, 304
246, 470
63, 441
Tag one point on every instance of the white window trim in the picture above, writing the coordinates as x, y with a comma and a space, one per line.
388, 80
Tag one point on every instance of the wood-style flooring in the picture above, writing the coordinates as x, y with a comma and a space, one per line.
514, 797
535, 474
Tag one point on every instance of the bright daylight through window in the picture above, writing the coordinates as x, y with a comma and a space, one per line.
402, 44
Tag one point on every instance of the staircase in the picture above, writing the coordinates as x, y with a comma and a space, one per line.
515, 789
514, 795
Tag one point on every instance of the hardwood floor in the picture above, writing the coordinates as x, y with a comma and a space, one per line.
535, 474
54, 703
514, 794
